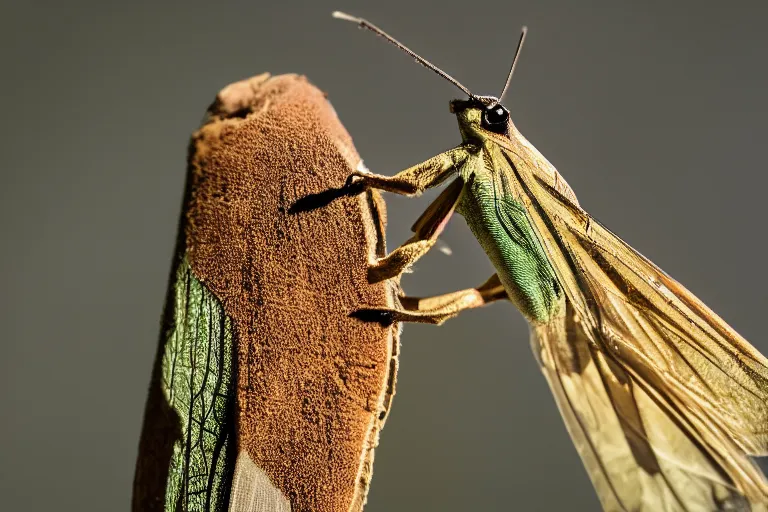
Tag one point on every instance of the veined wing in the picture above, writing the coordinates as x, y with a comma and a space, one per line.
198, 382
662, 356
639, 454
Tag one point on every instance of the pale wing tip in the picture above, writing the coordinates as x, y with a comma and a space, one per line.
253, 491
344, 16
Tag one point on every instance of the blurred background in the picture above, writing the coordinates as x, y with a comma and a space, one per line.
654, 112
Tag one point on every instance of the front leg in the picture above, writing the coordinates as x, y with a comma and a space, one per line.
415, 180
426, 230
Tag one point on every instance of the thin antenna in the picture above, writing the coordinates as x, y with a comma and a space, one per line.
514, 63
421, 60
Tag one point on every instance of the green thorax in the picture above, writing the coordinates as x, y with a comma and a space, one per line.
501, 224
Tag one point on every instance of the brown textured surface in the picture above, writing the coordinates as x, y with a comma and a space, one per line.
313, 384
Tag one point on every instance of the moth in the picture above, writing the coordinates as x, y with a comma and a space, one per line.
265, 395
663, 400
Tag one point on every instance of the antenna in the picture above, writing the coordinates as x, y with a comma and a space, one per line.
514, 63
421, 60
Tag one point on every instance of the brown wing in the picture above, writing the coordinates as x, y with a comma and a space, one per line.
667, 363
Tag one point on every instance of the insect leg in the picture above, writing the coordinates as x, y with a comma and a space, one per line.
414, 180
426, 230
439, 308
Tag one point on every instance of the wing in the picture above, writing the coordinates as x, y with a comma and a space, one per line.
680, 399
638, 455
197, 380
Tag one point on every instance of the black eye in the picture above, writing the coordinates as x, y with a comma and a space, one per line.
496, 119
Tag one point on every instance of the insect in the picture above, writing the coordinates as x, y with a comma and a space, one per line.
664, 401
265, 394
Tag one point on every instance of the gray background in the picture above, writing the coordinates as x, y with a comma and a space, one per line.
654, 113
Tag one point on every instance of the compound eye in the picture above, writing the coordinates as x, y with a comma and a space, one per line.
496, 119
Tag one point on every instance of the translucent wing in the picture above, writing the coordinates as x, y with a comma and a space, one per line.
640, 455
675, 397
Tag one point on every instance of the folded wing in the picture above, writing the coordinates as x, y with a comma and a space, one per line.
664, 400
640, 455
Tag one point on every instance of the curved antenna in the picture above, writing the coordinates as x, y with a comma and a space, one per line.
418, 58
514, 63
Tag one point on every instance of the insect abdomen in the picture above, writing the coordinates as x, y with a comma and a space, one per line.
502, 227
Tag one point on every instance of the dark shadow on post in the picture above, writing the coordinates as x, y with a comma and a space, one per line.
321, 199
380, 316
